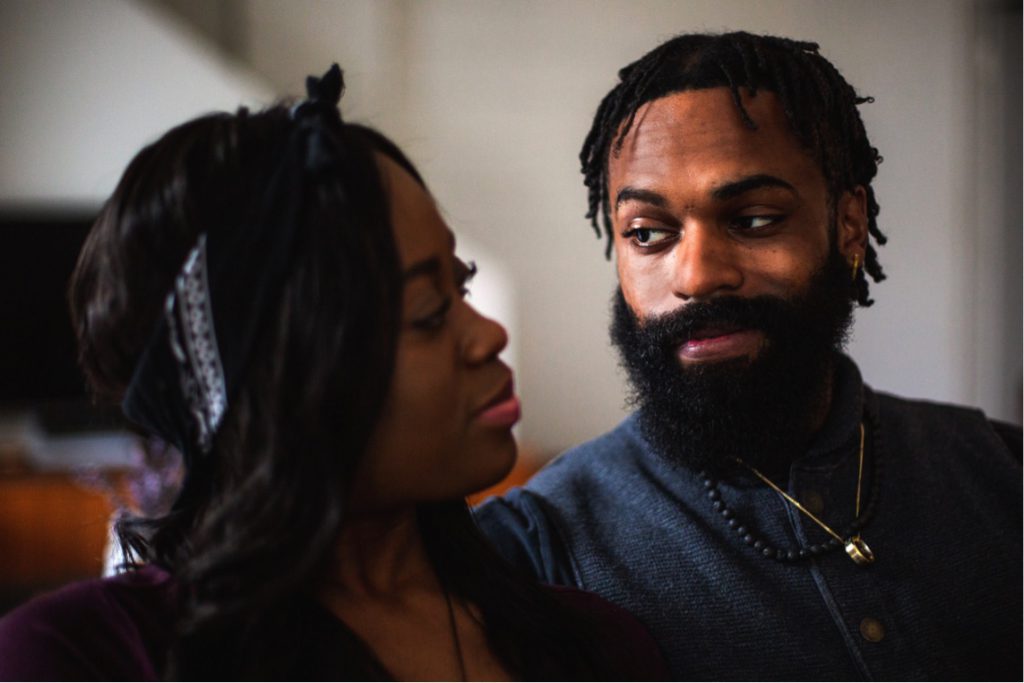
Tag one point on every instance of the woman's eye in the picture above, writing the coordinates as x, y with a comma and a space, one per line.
647, 237
435, 319
756, 222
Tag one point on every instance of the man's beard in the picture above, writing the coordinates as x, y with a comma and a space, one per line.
762, 410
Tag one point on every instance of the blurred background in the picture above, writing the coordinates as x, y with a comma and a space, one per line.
492, 101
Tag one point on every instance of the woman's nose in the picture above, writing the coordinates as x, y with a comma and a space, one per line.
485, 338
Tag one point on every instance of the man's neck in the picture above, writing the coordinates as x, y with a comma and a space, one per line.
824, 405
778, 466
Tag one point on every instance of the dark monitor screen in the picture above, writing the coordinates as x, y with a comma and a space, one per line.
37, 347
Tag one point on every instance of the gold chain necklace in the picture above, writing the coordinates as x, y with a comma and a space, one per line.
855, 546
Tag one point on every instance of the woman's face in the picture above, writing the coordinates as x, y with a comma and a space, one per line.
446, 427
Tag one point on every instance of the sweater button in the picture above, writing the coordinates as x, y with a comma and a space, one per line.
872, 630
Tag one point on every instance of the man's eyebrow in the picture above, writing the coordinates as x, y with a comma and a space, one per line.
635, 194
426, 267
744, 185
721, 193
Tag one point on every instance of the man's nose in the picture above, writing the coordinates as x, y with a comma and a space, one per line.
706, 264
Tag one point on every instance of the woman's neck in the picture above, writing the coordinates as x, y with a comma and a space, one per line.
383, 586
381, 554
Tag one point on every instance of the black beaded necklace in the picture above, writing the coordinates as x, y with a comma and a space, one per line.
751, 538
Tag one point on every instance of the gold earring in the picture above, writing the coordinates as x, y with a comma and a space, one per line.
856, 267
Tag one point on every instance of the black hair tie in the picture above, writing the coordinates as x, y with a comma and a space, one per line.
322, 96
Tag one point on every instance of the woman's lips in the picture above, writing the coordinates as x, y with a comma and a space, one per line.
713, 345
503, 410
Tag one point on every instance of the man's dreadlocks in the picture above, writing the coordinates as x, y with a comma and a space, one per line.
819, 104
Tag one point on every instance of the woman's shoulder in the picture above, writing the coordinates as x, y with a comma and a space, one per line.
626, 642
100, 629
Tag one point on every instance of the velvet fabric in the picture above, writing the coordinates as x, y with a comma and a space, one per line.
121, 629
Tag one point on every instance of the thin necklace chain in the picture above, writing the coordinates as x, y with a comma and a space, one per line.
801, 508
455, 637
858, 551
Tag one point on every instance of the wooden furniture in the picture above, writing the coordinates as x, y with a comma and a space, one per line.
54, 526
53, 529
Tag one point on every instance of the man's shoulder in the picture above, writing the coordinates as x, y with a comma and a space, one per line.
924, 421
593, 464
924, 407
531, 525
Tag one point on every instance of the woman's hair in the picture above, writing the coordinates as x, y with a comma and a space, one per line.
255, 525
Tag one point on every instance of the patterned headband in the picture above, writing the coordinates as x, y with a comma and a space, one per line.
229, 283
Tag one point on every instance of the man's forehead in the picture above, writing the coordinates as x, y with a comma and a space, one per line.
704, 131
711, 111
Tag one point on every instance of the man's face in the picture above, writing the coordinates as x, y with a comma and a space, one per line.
735, 289
703, 206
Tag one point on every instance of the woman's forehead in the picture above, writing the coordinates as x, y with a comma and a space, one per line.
420, 232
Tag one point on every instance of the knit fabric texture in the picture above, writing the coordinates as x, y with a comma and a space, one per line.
942, 600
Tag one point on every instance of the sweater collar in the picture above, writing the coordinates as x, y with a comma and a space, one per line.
845, 413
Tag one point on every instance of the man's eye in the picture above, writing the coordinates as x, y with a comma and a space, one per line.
755, 222
647, 237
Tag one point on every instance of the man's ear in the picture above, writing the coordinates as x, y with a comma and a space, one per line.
852, 224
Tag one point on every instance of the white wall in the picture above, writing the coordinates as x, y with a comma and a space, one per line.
492, 100
84, 84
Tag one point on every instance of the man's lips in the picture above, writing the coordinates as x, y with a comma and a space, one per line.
712, 331
502, 410
714, 343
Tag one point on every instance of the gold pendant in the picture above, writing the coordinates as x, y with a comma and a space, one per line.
859, 551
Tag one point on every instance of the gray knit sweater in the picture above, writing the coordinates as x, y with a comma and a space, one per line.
942, 601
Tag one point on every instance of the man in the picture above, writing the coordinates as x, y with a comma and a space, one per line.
766, 514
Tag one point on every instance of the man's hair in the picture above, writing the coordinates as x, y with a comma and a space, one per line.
819, 104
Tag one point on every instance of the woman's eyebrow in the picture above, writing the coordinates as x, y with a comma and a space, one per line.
427, 267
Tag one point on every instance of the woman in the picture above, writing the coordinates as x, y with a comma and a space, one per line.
335, 399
